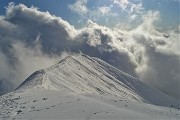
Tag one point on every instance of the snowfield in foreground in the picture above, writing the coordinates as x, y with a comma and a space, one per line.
80, 87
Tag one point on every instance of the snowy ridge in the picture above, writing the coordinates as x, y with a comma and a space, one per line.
82, 74
80, 87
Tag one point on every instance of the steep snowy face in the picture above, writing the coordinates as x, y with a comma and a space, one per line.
82, 74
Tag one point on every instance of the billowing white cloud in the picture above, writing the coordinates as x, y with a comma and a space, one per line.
79, 7
104, 10
128, 6
159, 62
137, 8
149, 20
100, 12
122, 3
133, 17
31, 40
105, 13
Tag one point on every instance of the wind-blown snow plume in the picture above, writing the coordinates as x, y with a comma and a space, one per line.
31, 40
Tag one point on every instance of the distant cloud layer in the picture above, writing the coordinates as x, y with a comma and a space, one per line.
113, 9
31, 40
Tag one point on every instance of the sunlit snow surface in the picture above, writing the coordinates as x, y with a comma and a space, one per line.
84, 88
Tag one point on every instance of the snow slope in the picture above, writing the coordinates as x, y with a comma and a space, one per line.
82, 87
84, 74
43, 104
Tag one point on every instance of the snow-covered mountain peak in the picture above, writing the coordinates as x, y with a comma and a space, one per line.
80, 87
82, 74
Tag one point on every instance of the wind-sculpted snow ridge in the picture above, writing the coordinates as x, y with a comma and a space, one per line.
80, 87
81, 74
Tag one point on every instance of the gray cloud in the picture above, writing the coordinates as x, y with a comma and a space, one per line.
31, 40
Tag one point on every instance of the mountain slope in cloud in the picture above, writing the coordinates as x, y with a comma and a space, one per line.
83, 74
29, 36
81, 87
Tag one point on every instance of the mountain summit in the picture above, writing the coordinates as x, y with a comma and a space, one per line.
80, 87
88, 75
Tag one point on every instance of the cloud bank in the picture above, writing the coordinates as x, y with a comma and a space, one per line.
31, 40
